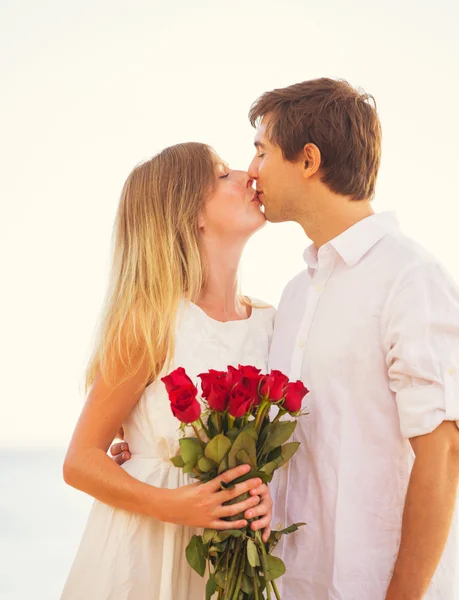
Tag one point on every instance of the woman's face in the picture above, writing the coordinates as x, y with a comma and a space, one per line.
233, 211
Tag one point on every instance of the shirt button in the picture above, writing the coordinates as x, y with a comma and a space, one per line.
451, 371
301, 344
278, 526
318, 287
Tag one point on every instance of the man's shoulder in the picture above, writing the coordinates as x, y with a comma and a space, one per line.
410, 257
414, 272
408, 251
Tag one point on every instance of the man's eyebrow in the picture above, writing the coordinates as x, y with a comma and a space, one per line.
258, 144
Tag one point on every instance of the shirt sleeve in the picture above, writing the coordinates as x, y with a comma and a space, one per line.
421, 341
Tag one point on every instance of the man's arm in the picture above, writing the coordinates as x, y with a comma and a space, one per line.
428, 512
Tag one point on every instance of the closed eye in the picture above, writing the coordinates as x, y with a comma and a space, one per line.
223, 176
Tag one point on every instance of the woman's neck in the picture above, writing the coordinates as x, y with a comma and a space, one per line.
219, 297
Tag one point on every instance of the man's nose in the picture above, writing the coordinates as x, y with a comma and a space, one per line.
253, 170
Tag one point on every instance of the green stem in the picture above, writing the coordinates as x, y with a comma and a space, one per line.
280, 414
197, 435
264, 564
229, 582
262, 410
276, 591
219, 422
256, 584
206, 430
231, 420
239, 577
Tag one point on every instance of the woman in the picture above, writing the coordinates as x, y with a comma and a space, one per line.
183, 221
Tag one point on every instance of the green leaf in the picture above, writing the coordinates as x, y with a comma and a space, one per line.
274, 454
213, 551
206, 465
273, 567
270, 467
291, 529
244, 441
218, 448
224, 535
252, 554
178, 461
288, 450
247, 585
265, 478
189, 467
196, 555
208, 535
251, 430
191, 450
232, 433
220, 578
211, 587
223, 466
275, 536
279, 434
244, 459
212, 424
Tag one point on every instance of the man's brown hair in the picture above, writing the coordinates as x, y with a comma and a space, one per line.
341, 121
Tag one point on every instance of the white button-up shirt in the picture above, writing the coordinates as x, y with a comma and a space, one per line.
372, 329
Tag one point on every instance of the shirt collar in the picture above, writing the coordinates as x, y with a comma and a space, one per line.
356, 241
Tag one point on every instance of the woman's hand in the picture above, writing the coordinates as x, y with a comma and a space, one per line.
263, 510
203, 504
120, 453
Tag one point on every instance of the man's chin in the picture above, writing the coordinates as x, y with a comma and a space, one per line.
272, 217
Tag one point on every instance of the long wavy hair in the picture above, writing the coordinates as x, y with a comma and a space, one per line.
156, 260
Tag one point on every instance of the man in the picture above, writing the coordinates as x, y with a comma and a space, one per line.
371, 326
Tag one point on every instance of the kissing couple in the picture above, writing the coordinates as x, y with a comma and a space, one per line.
370, 326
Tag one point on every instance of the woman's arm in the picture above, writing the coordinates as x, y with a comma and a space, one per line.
87, 466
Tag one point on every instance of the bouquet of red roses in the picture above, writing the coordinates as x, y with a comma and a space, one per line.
235, 429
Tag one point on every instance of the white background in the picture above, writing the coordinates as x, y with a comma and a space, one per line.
90, 88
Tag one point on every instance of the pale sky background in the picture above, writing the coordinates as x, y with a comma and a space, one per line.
91, 88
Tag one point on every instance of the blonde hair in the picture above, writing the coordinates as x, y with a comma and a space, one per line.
156, 260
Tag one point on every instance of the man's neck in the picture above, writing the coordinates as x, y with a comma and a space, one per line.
333, 219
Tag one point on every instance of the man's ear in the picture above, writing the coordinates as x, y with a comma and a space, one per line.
311, 160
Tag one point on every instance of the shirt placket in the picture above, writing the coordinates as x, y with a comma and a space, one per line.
326, 264
319, 280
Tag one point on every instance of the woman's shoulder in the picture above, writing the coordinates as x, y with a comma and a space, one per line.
263, 309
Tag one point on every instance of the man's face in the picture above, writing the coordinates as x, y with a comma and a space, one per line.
278, 181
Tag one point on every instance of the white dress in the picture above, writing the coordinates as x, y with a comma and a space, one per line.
127, 556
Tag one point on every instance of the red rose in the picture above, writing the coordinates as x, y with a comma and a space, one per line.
233, 376
251, 379
209, 378
247, 376
215, 389
176, 379
274, 386
240, 401
295, 393
182, 395
184, 404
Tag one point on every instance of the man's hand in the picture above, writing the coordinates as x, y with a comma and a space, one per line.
120, 452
